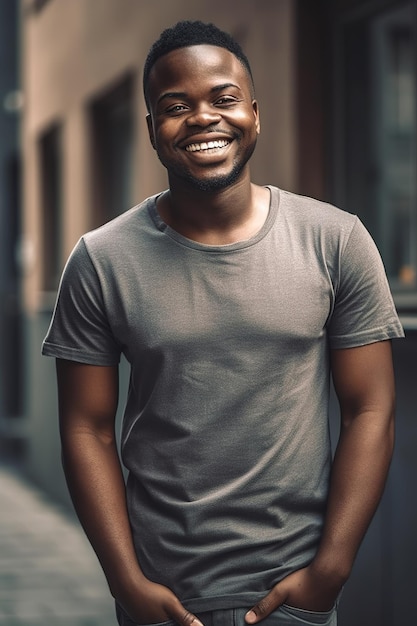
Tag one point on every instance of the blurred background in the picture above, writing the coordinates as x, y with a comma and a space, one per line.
336, 83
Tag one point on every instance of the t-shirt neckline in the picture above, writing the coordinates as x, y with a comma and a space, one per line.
238, 245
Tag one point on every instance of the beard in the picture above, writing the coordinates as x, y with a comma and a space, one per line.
215, 183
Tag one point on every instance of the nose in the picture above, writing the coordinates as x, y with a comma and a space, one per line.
203, 115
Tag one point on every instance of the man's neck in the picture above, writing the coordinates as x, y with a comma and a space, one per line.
218, 218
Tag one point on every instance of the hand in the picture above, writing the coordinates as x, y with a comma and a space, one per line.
303, 589
152, 603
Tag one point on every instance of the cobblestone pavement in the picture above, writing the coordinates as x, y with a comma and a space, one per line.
49, 574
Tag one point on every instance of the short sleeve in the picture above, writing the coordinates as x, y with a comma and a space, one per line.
79, 330
364, 310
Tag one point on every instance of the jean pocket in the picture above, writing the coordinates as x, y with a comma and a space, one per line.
124, 620
302, 616
168, 622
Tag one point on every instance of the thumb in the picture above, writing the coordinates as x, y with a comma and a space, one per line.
264, 607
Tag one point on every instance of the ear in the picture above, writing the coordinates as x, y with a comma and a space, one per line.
255, 109
150, 130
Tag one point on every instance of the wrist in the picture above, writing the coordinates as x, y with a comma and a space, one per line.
333, 572
126, 585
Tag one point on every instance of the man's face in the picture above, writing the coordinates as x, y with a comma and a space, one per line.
203, 120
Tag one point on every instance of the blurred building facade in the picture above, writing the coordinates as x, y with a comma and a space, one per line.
336, 83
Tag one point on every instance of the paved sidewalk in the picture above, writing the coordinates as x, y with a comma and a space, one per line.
49, 574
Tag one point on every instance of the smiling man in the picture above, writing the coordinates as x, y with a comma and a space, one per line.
233, 304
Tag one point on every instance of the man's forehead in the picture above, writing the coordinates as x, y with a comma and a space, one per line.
197, 63
187, 57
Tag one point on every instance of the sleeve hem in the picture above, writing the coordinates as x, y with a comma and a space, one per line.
366, 337
72, 354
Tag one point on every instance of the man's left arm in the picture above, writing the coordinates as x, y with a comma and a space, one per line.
364, 382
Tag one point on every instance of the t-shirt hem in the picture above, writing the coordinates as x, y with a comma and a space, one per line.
72, 354
241, 600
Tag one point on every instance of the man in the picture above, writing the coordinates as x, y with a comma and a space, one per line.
232, 303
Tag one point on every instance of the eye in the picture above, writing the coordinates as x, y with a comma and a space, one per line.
176, 109
226, 101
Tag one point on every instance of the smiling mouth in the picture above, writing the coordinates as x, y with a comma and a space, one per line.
207, 145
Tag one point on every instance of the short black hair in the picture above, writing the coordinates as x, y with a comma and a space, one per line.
191, 33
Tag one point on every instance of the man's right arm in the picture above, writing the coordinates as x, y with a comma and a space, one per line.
88, 398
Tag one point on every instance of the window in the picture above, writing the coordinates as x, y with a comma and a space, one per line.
11, 345
36, 6
51, 206
379, 113
393, 43
112, 125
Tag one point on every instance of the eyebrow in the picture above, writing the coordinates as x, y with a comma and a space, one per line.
169, 95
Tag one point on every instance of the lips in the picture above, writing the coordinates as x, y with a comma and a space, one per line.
207, 145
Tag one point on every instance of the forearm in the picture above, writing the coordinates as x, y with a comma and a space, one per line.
358, 477
96, 485
364, 383
88, 398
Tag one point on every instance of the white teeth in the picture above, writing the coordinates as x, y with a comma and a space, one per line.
198, 147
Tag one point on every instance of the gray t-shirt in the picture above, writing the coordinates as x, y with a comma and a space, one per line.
225, 433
